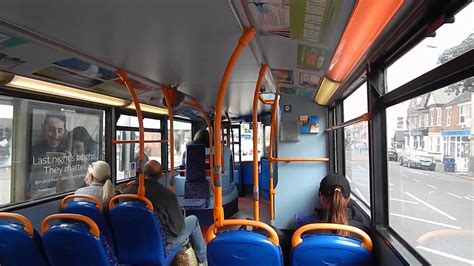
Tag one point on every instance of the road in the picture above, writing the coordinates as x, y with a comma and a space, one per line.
431, 210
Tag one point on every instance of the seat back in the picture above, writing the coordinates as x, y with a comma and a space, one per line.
91, 210
196, 188
243, 248
139, 235
195, 162
17, 239
75, 240
330, 250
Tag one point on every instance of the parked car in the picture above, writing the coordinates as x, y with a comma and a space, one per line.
392, 154
418, 159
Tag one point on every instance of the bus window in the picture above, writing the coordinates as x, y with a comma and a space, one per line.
451, 41
182, 135
356, 143
47, 148
430, 173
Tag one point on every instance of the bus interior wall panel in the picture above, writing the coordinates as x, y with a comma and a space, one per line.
300, 180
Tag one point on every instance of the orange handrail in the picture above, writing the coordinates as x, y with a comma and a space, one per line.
296, 239
273, 130
27, 226
148, 203
137, 141
299, 159
198, 107
170, 97
94, 229
128, 184
246, 37
141, 177
364, 117
97, 202
272, 235
258, 86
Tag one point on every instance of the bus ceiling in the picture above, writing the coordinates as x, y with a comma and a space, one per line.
314, 51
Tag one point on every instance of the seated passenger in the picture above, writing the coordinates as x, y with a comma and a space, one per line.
201, 137
98, 182
179, 230
334, 195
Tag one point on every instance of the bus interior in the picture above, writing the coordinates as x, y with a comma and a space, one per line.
288, 91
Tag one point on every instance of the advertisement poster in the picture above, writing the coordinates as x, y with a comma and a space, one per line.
283, 76
7, 41
64, 142
312, 58
67, 76
309, 124
86, 69
309, 80
118, 89
305, 93
272, 16
7, 62
311, 20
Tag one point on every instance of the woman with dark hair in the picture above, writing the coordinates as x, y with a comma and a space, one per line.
334, 195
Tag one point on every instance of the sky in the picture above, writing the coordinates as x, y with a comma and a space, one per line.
419, 60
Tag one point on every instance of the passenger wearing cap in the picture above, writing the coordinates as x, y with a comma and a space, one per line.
334, 195
98, 182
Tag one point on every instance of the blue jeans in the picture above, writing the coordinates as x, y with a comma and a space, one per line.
192, 231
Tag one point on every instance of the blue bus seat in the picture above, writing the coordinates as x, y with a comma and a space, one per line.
139, 236
196, 188
243, 248
75, 240
93, 210
330, 249
20, 244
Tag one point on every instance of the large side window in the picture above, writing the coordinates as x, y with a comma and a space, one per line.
451, 41
127, 154
47, 148
430, 174
356, 145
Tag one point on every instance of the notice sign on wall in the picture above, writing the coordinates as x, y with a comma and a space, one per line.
309, 124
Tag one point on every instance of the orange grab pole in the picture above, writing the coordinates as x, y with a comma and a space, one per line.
272, 235
170, 97
246, 37
261, 76
364, 117
94, 229
148, 203
296, 239
27, 226
97, 202
300, 160
137, 141
141, 177
273, 128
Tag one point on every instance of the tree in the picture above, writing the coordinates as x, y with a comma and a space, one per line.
466, 45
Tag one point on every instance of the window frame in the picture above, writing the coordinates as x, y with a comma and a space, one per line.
52, 99
448, 115
466, 115
176, 167
114, 128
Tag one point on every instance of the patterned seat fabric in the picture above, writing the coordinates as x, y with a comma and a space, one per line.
140, 239
71, 243
196, 188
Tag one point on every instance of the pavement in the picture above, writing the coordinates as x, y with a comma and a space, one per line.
432, 210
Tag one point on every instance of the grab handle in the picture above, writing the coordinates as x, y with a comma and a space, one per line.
296, 239
94, 229
18, 217
273, 237
148, 203
97, 202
